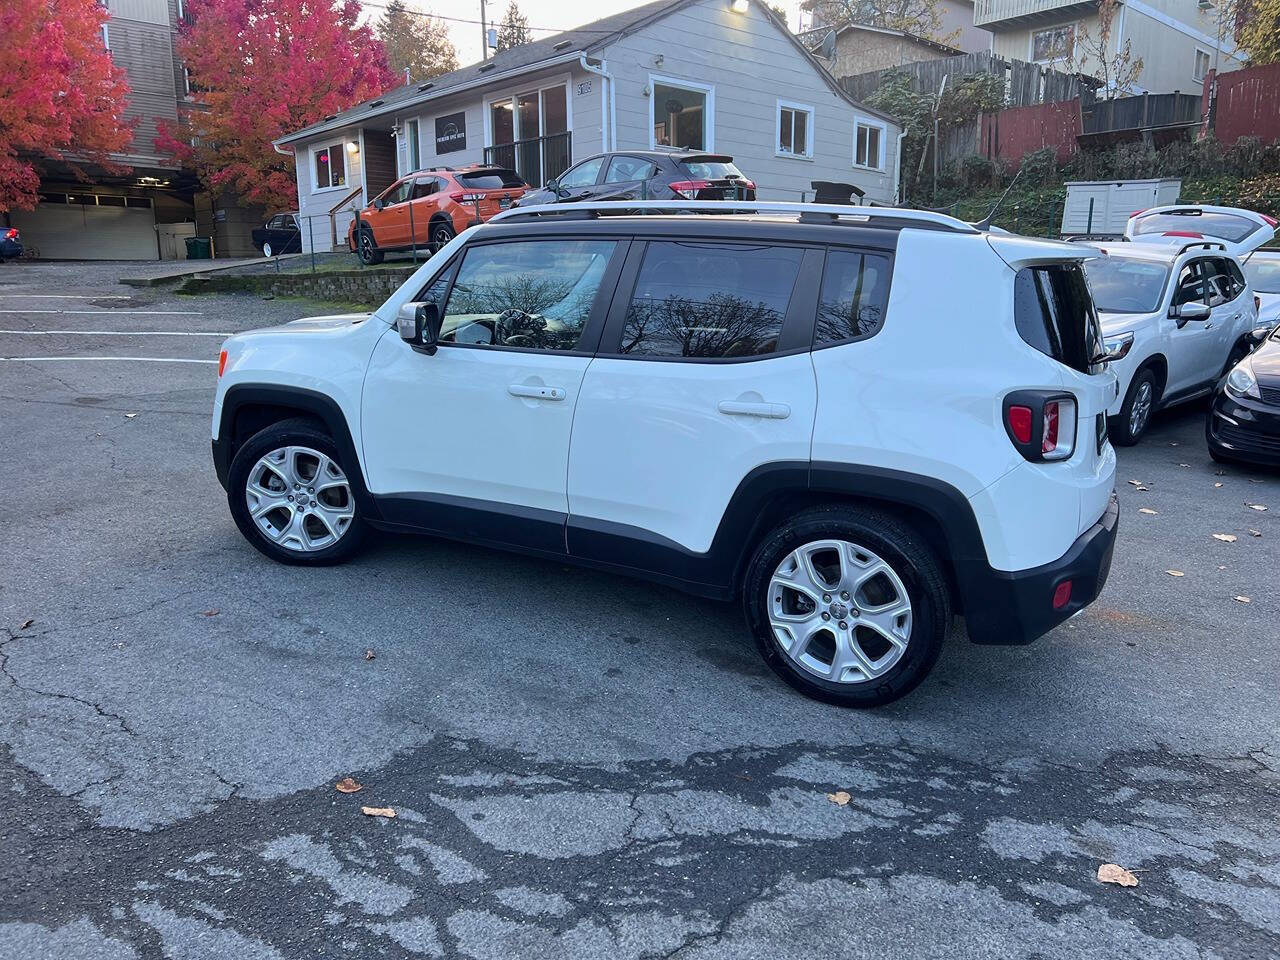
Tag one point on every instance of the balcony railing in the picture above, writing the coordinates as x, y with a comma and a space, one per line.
537, 159
997, 11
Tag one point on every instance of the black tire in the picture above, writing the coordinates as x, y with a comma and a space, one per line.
1121, 429
441, 233
912, 560
299, 432
367, 248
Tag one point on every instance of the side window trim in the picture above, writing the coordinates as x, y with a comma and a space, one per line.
888, 255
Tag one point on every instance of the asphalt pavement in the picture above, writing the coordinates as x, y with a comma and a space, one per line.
580, 765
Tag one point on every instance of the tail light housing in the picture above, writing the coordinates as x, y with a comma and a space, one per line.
688, 189
1271, 221
1041, 424
11, 233
460, 197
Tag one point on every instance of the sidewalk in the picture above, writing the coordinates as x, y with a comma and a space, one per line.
167, 271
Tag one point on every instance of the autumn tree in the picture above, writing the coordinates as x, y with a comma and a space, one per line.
62, 98
1258, 30
263, 69
1093, 53
514, 28
416, 42
920, 18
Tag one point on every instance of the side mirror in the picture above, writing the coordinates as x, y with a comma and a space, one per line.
1257, 336
419, 326
1187, 312
378, 204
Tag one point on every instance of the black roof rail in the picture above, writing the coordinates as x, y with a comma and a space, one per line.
1206, 244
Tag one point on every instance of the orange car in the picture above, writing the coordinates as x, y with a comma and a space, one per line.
430, 207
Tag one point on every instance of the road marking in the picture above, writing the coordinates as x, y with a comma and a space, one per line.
115, 333
64, 296
116, 313
139, 359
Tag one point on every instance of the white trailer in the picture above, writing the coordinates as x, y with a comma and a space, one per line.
1102, 207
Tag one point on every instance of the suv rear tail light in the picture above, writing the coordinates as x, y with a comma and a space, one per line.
1184, 233
1042, 425
12, 234
460, 197
1272, 221
688, 189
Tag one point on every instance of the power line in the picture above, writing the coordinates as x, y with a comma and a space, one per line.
439, 16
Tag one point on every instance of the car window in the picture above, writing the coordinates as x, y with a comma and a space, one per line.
496, 179
1196, 223
398, 193
1053, 311
1190, 287
625, 169
1263, 273
1122, 285
710, 300
290, 222
1237, 278
583, 175
855, 292
274, 222
527, 293
1217, 282
712, 169
425, 187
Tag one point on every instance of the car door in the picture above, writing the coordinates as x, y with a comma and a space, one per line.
391, 223
579, 183
1227, 302
703, 375
423, 204
626, 178
474, 441
1193, 348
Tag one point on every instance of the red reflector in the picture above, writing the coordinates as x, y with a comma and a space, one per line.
1050, 441
1184, 233
222, 362
1020, 423
1062, 594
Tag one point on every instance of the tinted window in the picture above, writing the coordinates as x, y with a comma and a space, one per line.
491, 180
531, 293
1054, 313
1225, 225
624, 169
425, 188
584, 174
710, 300
397, 194
1190, 287
711, 169
1263, 274
855, 292
1126, 286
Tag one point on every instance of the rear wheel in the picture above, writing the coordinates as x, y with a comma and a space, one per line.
367, 248
441, 233
266, 249
1135, 413
847, 604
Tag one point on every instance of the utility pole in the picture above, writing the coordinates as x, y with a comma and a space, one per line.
484, 34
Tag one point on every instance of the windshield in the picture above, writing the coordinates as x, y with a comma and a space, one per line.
1226, 226
1125, 286
1264, 275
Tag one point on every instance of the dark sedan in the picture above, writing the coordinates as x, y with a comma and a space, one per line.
10, 244
1244, 419
646, 175
279, 235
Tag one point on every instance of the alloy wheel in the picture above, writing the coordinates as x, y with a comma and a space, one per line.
366, 246
266, 249
1140, 412
839, 611
300, 499
440, 236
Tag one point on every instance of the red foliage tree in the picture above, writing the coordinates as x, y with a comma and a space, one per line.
61, 97
262, 69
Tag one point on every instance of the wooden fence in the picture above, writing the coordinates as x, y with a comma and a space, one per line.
1248, 104
1025, 83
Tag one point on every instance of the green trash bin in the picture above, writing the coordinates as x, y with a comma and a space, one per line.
199, 248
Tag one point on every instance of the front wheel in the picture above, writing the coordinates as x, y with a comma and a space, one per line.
367, 249
1135, 413
848, 605
266, 249
291, 496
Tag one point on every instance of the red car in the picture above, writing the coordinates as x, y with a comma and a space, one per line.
428, 208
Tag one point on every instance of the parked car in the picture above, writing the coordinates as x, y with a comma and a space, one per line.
429, 208
278, 235
1175, 307
1244, 420
1262, 270
647, 175
787, 410
10, 244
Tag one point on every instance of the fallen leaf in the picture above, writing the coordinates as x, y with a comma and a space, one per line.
349, 785
1184, 464
27, 623
1175, 573
1174, 443
369, 654
1254, 480
1217, 484
1255, 533
387, 812
130, 416
1242, 599
1114, 873
1136, 483
1147, 510
1221, 567
1141, 488
840, 798
1225, 537
1257, 506
209, 613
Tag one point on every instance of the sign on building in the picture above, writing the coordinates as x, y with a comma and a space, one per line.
451, 133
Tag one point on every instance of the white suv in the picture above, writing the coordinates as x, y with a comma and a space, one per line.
855, 421
1175, 306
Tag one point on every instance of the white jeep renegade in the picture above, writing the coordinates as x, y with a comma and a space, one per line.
855, 421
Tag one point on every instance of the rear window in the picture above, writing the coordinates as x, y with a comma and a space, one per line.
1226, 226
1264, 275
491, 180
1054, 313
855, 292
712, 169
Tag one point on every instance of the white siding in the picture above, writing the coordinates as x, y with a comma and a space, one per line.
316, 204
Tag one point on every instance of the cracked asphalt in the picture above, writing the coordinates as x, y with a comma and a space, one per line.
581, 765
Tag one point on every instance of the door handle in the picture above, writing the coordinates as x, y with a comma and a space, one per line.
748, 408
535, 391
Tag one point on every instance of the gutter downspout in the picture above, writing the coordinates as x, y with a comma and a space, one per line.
608, 131
897, 174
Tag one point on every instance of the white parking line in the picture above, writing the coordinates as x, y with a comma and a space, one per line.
64, 296
115, 313
114, 333
139, 359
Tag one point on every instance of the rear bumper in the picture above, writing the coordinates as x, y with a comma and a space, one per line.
1016, 607
10, 249
1239, 428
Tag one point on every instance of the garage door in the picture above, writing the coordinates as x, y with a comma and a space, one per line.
95, 230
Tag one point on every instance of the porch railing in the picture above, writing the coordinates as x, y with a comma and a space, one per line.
536, 159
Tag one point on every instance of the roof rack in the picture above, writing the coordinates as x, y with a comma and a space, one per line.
808, 212
1206, 244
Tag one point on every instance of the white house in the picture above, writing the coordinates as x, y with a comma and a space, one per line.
724, 76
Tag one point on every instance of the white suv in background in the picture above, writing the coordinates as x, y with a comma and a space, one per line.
784, 407
1175, 306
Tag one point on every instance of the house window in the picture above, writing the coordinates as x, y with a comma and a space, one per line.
1053, 44
795, 129
1202, 65
330, 166
868, 145
415, 145
529, 133
681, 114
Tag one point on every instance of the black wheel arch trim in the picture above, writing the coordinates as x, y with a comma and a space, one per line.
289, 399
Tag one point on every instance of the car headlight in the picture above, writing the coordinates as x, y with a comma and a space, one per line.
1117, 347
1241, 380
